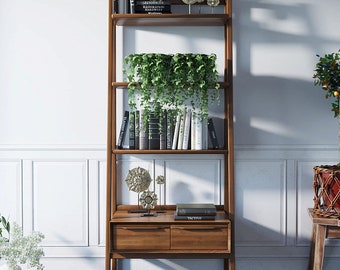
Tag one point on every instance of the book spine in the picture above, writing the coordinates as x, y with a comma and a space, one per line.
193, 218
170, 127
123, 129
154, 135
198, 134
153, 3
132, 131
137, 129
162, 133
212, 134
175, 139
181, 130
132, 6
186, 131
143, 132
205, 134
196, 212
147, 9
123, 6
192, 132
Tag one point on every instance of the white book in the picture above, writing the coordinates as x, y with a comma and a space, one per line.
181, 130
186, 131
198, 134
193, 129
175, 139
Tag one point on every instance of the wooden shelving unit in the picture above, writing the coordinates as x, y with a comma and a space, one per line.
130, 236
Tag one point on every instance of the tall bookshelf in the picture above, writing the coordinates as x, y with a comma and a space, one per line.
162, 236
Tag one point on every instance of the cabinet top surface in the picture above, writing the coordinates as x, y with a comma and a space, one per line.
123, 216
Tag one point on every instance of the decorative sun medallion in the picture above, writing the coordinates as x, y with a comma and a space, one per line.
148, 199
138, 179
160, 180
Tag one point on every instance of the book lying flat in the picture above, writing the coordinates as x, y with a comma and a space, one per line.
193, 218
196, 209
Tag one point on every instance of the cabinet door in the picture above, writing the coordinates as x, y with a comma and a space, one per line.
200, 237
141, 237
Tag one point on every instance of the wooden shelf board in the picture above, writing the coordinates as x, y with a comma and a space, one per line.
134, 152
125, 84
170, 19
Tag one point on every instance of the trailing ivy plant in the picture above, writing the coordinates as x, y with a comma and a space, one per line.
158, 82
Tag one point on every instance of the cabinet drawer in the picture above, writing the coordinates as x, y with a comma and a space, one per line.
200, 237
135, 237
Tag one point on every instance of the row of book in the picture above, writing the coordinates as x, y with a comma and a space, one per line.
143, 6
185, 132
195, 211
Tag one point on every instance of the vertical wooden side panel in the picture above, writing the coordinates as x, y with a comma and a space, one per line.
229, 157
109, 138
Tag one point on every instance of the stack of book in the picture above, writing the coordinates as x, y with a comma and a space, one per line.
195, 211
151, 6
183, 133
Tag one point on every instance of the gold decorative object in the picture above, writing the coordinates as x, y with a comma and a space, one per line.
160, 180
190, 2
138, 179
148, 199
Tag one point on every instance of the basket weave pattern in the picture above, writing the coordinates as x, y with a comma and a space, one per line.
326, 186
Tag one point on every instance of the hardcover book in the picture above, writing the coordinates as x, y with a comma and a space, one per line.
212, 134
143, 132
137, 129
152, 7
196, 209
132, 131
123, 129
170, 128
176, 131
162, 134
194, 218
181, 130
186, 131
154, 134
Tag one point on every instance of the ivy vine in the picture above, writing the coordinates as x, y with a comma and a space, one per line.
158, 82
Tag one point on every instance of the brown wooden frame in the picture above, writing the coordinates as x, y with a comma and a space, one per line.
114, 212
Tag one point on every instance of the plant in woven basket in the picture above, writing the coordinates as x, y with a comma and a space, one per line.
327, 177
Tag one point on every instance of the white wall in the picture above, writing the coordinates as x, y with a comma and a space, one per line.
53, 78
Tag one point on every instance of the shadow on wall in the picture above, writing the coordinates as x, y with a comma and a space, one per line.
276, 101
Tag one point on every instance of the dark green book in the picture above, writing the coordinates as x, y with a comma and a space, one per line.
196, 209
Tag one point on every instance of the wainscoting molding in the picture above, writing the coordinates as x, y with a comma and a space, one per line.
60, 190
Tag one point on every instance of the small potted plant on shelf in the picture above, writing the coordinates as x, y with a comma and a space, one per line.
326, 182
168, 82
16, 249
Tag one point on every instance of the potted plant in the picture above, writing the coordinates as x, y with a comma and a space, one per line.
168, 82
16, 249
326, 182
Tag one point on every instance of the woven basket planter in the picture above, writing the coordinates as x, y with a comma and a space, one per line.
326, 187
